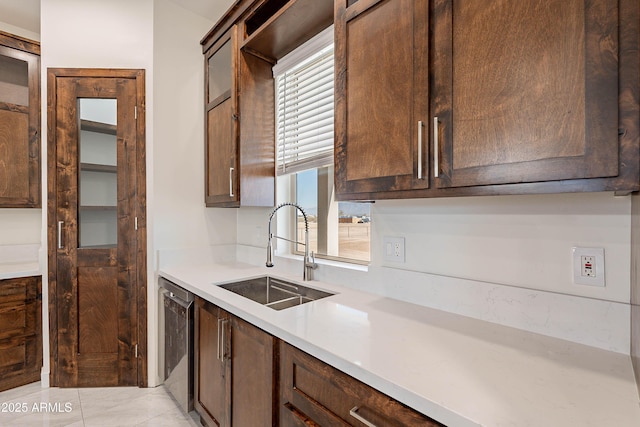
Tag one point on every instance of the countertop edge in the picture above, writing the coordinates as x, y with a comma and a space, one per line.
393, 390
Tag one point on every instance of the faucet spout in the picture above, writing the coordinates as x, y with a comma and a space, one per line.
308, 265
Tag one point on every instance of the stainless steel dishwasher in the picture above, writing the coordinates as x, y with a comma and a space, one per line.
177, 329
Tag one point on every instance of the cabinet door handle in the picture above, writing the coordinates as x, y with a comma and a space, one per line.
222, 341
60, 244
219, 333
436, 148
420, 125
354, 413
231, 182
221, 327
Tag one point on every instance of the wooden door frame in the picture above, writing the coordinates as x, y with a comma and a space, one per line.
139, 204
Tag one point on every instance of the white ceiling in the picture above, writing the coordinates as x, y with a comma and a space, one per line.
23, 13
26, 13
210, 9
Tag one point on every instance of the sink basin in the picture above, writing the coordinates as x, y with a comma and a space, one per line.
275, 293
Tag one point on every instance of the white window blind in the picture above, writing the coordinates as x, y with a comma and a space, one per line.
304, 110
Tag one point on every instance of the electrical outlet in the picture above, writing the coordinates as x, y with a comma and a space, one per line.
588, 266
393, 249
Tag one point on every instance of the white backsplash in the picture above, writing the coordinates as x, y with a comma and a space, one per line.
593, 322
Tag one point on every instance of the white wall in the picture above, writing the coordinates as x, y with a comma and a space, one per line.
180, 219
179, 216
93, 34
522, 241
519, 241
20, 226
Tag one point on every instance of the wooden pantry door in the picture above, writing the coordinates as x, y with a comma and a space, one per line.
97, 237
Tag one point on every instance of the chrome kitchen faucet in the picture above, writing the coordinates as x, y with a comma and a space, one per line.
308, 265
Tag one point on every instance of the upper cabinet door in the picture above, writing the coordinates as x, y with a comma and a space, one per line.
19, 122
382, 96
221, 183
524, 91
239, 141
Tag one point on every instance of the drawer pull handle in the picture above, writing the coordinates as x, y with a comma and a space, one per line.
231, 182
354, 413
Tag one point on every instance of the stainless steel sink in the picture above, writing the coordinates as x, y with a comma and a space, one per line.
275, 293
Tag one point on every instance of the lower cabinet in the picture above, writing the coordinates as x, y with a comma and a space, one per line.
20, 331
313, 393
236, 369
246, 378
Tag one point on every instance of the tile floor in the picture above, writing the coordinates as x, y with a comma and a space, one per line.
32, 405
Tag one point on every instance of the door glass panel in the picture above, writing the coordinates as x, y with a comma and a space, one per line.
14, 81
220, 72
98, 177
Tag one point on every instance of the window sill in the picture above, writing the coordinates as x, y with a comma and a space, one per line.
328, 262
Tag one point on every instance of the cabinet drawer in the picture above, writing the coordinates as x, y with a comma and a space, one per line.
18, 319
19, 307
18, 354
314, 393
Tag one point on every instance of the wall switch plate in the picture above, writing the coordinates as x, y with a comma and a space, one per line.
588, 266
393, 249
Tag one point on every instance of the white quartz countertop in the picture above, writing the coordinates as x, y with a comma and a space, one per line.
14, 270
19, 261
457, 370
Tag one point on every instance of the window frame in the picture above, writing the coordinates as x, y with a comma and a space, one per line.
286, 183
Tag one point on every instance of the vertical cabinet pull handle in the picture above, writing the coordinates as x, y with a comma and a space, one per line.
222, 341
60, 243
221, 324
354, 413
420, 125
436, 148
219, 332
231, 182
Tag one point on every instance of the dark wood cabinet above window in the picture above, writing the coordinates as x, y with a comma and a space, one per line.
20, 183
239, 108
273, 28
240, 51
524, 97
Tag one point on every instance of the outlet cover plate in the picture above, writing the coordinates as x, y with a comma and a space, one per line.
596, 279
393, 249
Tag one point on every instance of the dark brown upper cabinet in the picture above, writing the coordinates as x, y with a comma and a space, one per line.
525, 91
240, 51
524, 97
20, 183
382, 96
239, 151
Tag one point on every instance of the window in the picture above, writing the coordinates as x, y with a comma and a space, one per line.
304, 151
